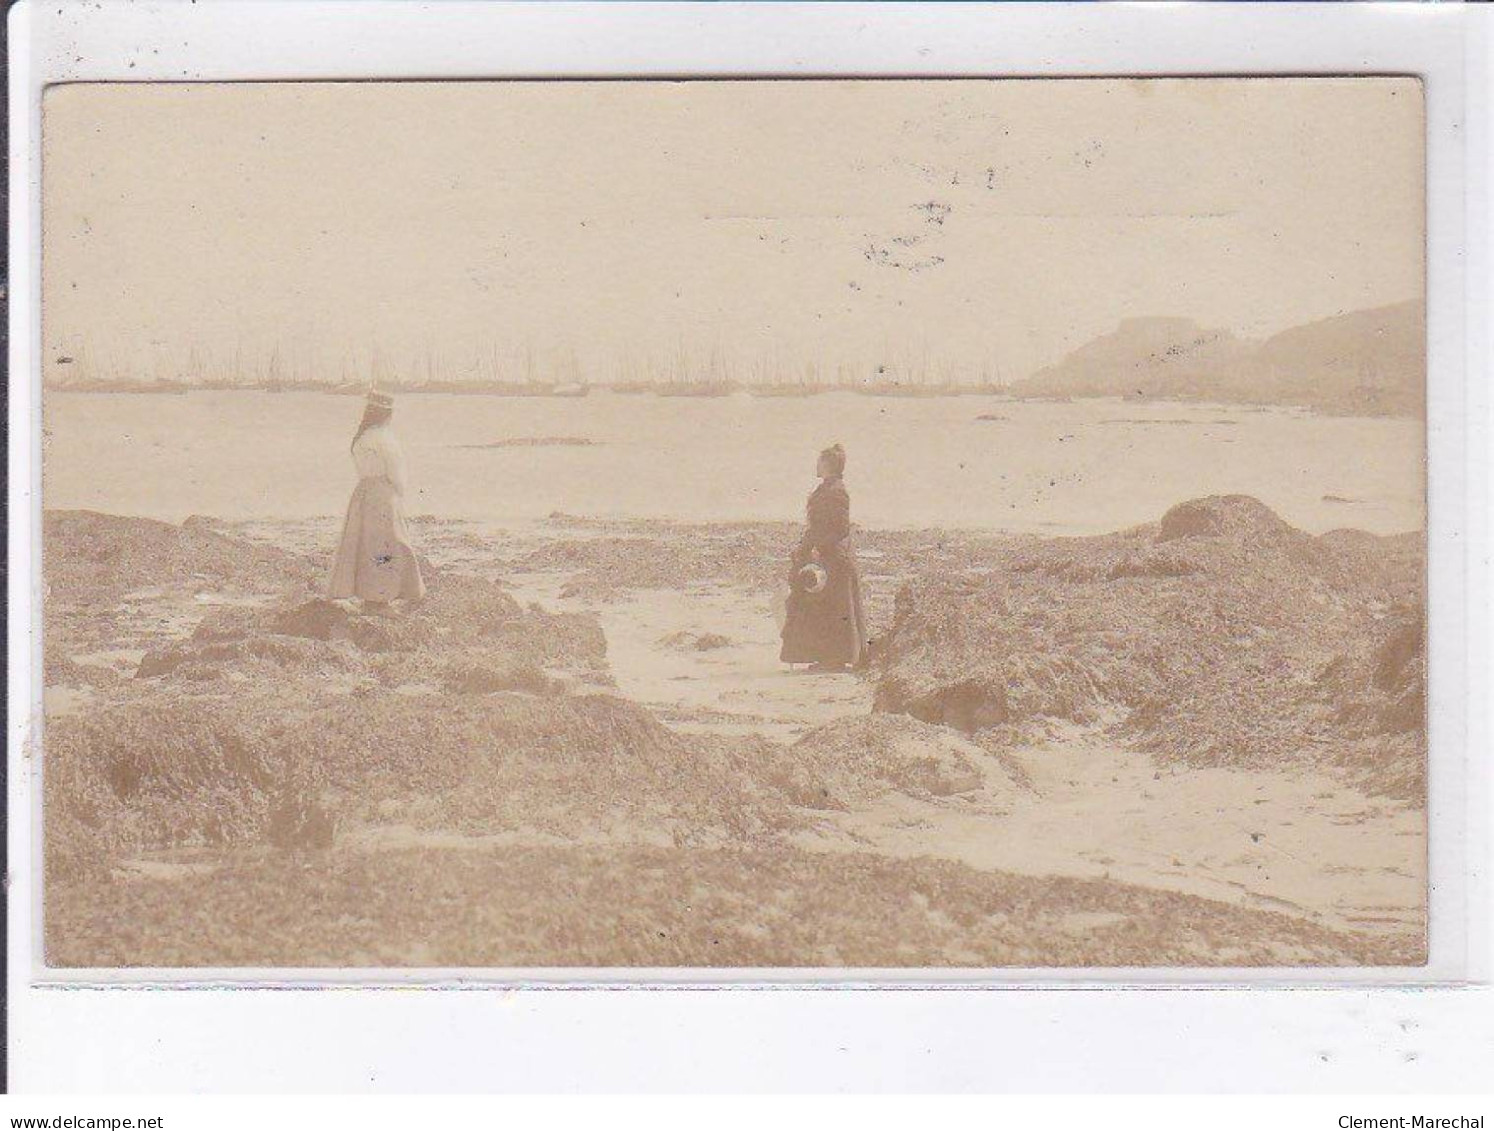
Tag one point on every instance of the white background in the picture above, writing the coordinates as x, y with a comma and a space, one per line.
1072, 1038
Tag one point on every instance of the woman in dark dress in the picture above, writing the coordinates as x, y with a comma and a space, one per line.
825, 624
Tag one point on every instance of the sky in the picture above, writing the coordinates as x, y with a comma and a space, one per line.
970, 229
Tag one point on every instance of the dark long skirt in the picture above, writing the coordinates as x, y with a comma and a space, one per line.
828, 627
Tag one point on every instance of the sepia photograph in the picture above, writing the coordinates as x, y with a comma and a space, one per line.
906, 524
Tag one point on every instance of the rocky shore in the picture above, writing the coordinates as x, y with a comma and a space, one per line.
515, 772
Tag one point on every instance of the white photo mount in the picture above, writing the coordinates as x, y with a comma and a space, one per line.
283, 40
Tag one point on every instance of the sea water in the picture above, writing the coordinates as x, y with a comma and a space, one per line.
968, 462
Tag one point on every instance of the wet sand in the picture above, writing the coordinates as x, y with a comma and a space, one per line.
1057, 804
1304, 843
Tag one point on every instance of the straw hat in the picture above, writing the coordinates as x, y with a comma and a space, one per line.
811, 579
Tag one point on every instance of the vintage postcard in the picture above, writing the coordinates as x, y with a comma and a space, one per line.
937, 524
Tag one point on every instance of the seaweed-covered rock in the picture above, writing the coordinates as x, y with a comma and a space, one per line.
860, 758
645, 905
299, 821
686, 641
1203, 639
92, 555
318, 619
187, 771
1237, 517
1376, 695
62, 671
488, 672
470, 617
204, 660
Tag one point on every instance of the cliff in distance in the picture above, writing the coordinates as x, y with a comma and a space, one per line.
1368, 362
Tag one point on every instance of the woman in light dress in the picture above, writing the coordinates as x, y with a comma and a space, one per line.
375, 559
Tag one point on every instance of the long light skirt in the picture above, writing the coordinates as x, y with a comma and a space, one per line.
375, 560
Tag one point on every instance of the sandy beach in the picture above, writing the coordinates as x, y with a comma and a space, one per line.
1113, 390
1198, 741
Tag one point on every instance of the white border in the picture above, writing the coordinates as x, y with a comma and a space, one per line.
282, 39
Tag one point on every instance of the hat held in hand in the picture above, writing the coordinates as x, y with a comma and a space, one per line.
810, 579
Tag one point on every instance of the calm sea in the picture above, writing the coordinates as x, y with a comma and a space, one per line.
1080, 467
